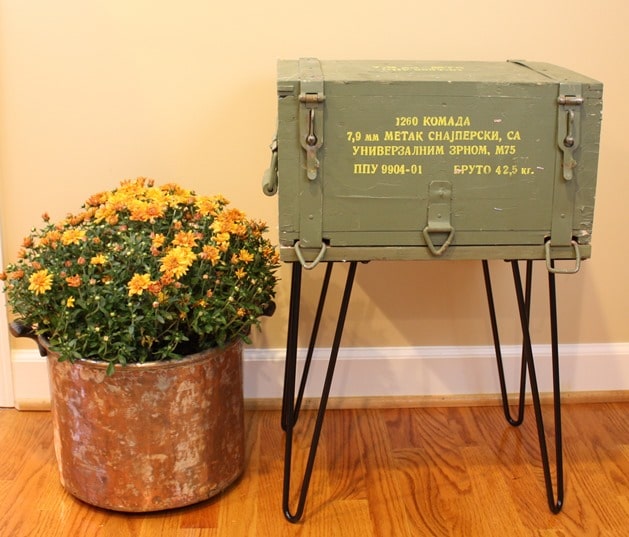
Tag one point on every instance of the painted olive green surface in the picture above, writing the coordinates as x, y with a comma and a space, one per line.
403, 156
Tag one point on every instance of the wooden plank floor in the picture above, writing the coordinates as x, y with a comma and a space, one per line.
386, 473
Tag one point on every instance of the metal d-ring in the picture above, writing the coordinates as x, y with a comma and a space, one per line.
315, 261
551, 268
438, 251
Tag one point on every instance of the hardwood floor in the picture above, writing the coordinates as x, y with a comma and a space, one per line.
386, 473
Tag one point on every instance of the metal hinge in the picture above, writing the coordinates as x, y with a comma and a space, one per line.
569, 125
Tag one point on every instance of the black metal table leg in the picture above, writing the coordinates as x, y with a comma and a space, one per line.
290, 367
313, 340
290, 408
555, 500
515, 421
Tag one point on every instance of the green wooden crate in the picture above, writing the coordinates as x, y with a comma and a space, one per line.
424, 160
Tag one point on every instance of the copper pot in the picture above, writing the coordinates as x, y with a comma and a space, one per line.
151, 436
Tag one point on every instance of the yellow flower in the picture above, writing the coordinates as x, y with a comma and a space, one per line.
240, 230
139, 283
185, 238
240, 273
271, 255
157, 240
139, 210
40, 282
206, 205
51, 238
99, 259
72, 236
177, 261
70, 302
245, 256
210, 253
222, 239
96, 199
145, 211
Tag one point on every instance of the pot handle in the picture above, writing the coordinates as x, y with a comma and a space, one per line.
20, 330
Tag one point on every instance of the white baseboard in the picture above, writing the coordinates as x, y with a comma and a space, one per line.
393, 371
438, 370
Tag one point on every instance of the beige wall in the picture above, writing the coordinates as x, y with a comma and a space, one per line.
94, 92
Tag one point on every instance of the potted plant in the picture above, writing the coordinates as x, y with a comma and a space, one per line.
141, 302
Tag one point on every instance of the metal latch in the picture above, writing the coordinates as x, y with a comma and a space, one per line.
311, 127
311, 98
569, 125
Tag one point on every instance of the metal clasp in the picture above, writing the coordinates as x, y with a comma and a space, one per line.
568, 131
312, 130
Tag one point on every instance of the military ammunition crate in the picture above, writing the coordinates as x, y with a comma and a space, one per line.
422, 160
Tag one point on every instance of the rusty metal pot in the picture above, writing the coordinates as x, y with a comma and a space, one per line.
151, 436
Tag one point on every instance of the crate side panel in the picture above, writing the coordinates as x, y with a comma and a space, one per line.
384, 147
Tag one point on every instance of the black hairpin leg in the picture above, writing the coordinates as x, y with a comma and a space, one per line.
313, 336
290, 407
555, 502
515, 421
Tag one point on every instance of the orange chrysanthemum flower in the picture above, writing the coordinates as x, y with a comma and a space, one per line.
72, 236
139, 283
74, 281
245, 256
177, 261
99, 259
211, 253
185, 238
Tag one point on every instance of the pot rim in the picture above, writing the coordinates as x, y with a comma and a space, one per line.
155, 364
